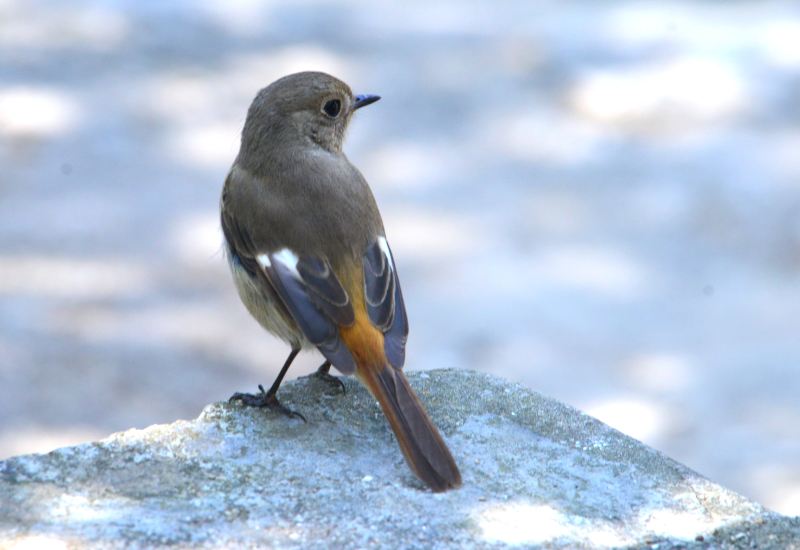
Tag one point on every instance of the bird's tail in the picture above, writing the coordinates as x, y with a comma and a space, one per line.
423, 447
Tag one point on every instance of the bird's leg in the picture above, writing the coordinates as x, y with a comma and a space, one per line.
324, 373
268, 399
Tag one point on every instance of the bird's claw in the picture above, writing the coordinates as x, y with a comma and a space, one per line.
331, 380
265, 400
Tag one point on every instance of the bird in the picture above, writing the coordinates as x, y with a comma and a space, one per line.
310, 260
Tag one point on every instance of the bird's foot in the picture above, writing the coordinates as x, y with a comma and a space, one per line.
324, 375
265, 400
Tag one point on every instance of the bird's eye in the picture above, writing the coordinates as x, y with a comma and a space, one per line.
332, 108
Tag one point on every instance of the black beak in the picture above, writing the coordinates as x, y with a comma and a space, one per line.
362, 100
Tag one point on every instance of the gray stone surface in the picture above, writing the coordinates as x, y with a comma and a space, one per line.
536, 472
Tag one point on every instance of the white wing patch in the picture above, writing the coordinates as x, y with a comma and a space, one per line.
384, 246
264, 261
289, 259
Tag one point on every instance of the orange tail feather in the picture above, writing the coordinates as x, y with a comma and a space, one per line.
422, 445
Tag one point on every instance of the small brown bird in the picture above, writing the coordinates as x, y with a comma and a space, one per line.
310, 259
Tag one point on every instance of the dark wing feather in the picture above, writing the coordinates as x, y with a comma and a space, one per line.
313, 322
240, 245
385, 304
378, 284
312, 309
394, 339
327, 292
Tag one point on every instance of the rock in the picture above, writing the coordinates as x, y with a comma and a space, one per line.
536, 472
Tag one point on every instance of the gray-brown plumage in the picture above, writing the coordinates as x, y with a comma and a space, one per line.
310, 259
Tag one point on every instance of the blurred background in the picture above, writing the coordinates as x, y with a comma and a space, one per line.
599, 200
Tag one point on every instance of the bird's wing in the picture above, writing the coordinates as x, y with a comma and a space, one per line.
384, 300
307, 287
240, 244
315, 298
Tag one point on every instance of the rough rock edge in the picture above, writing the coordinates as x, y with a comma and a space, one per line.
453, 398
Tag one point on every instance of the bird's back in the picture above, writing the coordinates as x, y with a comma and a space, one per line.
315, 201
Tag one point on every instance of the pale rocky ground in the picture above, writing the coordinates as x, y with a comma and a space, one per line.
536, 474
597, 200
